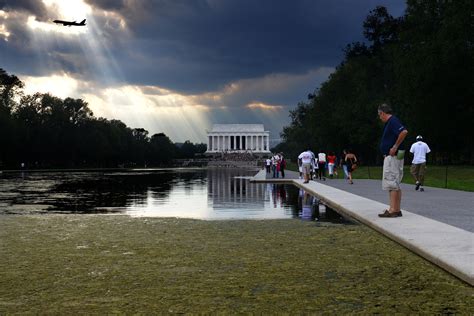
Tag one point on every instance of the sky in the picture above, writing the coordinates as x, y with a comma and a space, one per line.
180, 66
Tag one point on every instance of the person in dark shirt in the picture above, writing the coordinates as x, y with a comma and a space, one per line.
391, 147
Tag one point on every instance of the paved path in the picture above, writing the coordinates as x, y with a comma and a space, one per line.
436, 224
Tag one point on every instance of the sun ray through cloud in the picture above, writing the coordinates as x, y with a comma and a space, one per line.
154, 64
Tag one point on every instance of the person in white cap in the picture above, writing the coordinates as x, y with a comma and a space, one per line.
418, 167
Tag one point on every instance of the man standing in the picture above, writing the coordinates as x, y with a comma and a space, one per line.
419, 151
392, 138
304, 160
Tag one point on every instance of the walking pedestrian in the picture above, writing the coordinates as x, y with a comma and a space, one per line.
391, 144
304, 160
314, 167
419, 151
282, 165
275, 162
268, 164
351, 164
343, 164
322, 165
331, 163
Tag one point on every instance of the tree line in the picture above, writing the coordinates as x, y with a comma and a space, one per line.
420, 63
44, 131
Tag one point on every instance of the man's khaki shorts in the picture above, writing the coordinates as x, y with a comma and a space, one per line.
306, 168
392, 173
418, 169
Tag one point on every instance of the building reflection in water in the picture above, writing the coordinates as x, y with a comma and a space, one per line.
232, 187
232, 194
219, 194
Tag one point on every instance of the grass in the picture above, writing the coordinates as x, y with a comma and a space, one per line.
451, 177
78, 264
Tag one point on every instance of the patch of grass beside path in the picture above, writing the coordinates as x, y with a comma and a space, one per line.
117, 264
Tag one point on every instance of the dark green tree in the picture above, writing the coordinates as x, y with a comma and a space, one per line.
421, 63
162, 150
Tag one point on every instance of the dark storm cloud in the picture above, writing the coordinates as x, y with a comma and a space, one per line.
203, 45
108, 5
34, 7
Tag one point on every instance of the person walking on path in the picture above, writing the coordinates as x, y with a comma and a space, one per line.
304, 160
419, 151
282, 165
351, 164
314, 167
322, 165
391, 143
268, 164
343, 164
331, 163
275, 162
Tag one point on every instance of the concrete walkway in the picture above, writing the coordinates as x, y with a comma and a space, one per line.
436, 224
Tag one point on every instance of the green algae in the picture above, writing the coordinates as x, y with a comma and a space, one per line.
117, 264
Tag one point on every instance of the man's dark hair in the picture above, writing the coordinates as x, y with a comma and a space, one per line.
384, 107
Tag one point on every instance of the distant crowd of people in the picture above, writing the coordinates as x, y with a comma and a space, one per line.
313, 167
276, 165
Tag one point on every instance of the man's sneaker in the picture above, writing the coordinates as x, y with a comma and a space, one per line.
422, 190
417, 185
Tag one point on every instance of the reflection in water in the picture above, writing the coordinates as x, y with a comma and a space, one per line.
187, 193
308, 206
219, 194
311, 209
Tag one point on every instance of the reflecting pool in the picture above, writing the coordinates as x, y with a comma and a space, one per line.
210, 194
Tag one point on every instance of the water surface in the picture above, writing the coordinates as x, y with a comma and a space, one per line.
209, 194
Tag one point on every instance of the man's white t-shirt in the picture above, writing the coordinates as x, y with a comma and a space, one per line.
419, 151
306, 157
322, 157
275, 159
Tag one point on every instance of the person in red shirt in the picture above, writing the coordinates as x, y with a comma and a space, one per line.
331, 163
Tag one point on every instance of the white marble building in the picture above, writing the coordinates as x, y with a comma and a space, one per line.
238, 138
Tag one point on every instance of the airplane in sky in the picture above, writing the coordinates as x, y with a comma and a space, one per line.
68, 23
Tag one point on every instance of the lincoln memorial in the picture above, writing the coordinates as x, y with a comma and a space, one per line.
238, 138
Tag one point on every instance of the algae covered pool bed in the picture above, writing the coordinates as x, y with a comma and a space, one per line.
120, 264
